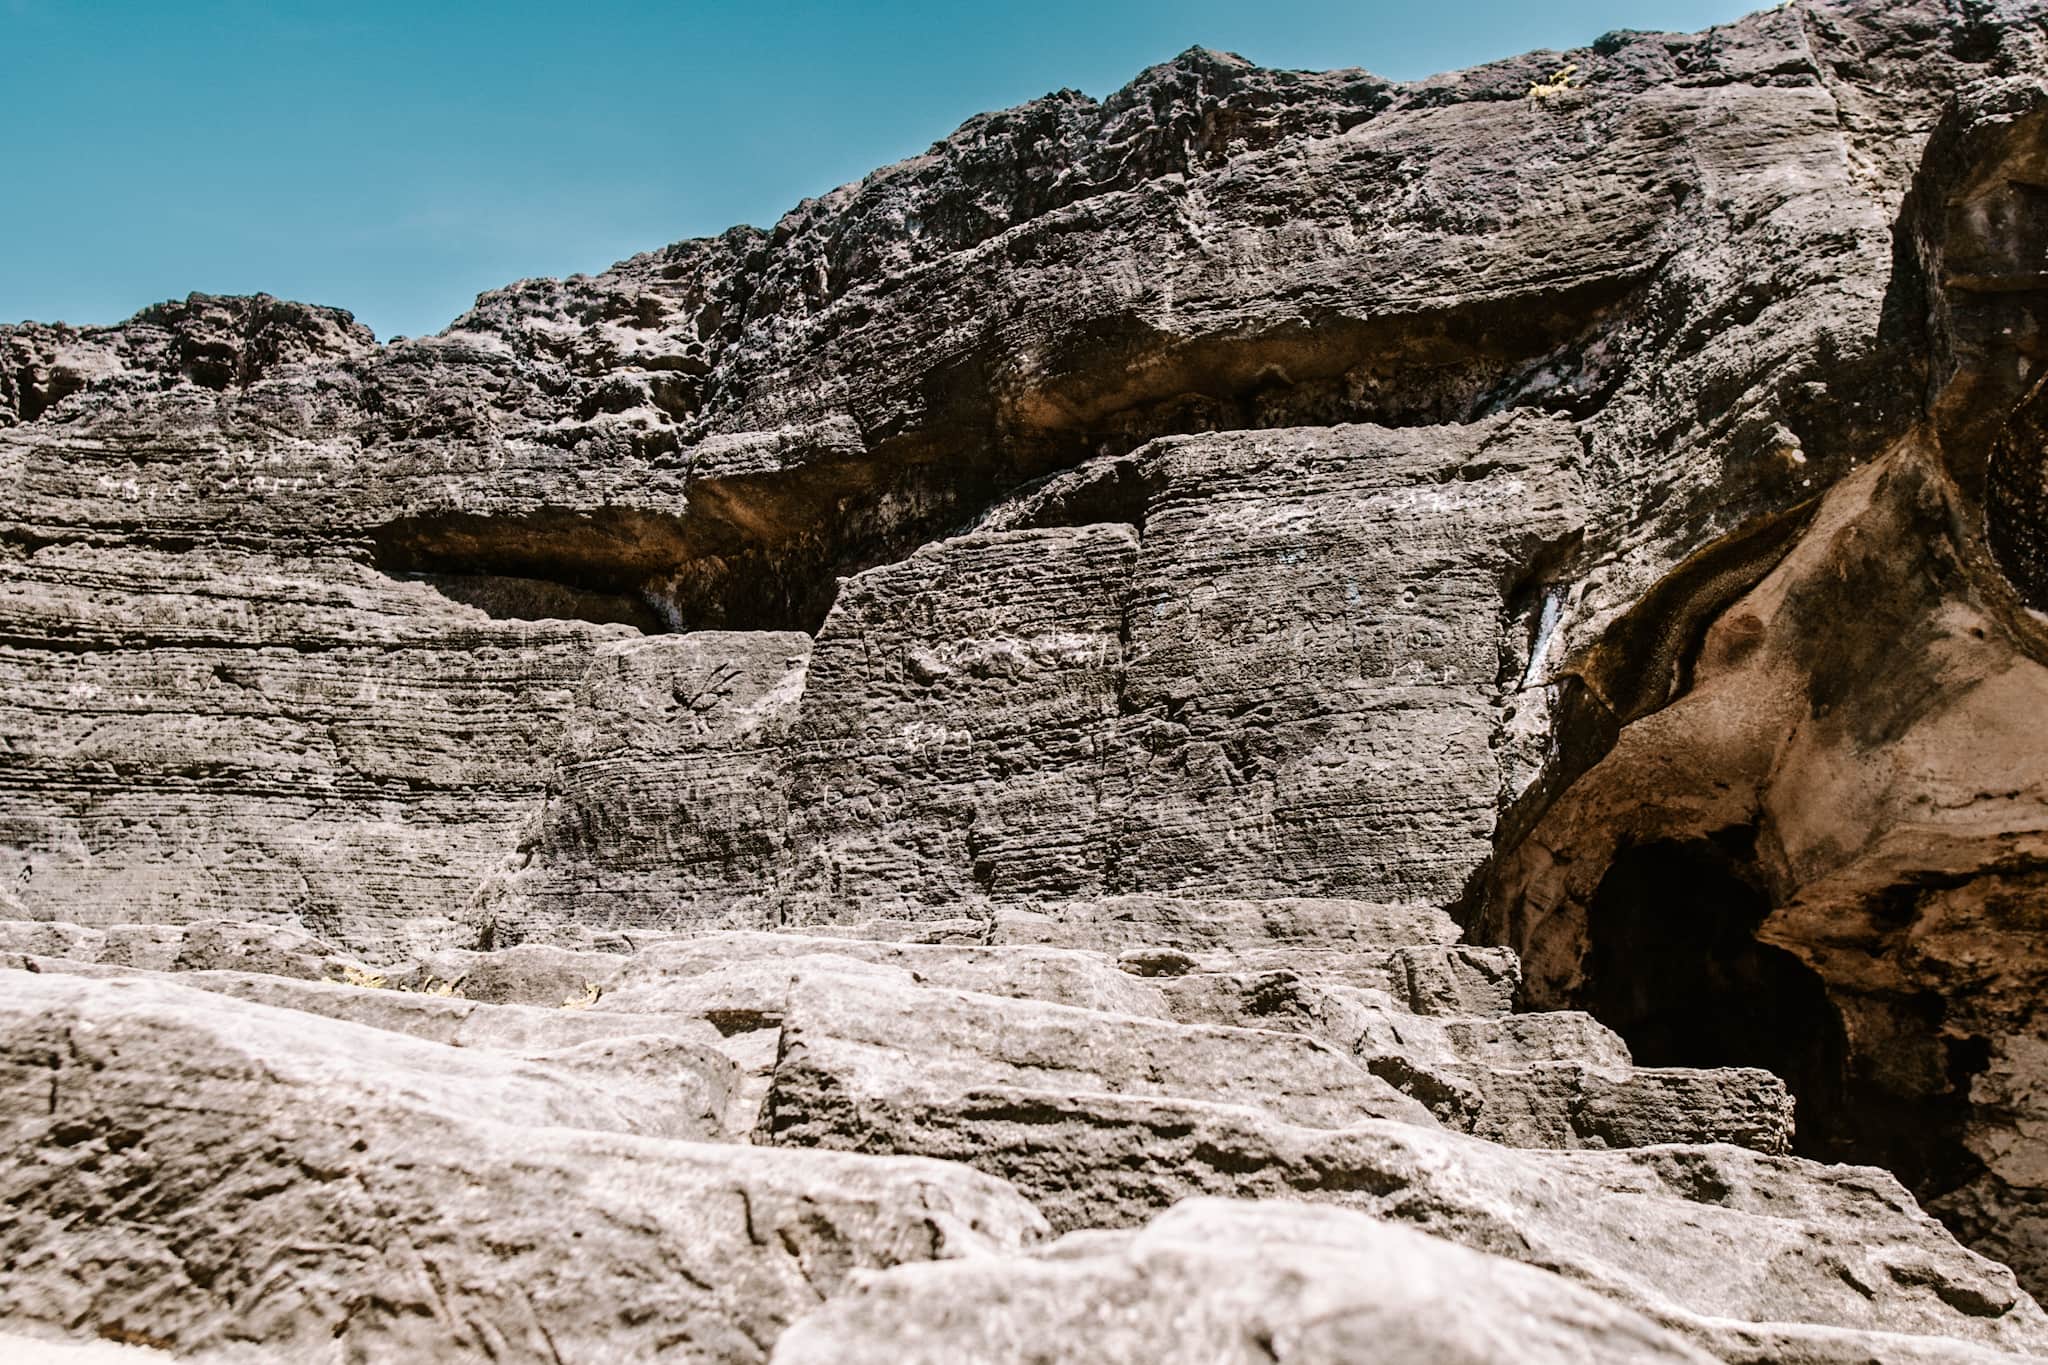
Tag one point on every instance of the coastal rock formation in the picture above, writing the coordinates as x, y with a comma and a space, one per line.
1117, 708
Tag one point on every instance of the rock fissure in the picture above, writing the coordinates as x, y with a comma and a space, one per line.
1279, 683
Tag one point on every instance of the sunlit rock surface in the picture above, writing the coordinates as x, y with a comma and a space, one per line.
1465, 654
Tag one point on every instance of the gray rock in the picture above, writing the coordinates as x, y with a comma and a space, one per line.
1594, 331
1179, 601
1231, 1284
855, 1050
321, 1190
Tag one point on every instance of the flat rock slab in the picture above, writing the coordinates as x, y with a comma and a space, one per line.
1198, 922
1226, 1283
234, 1052
849, 1044
1059, 976
1679, 1232
295, 1184
210, 945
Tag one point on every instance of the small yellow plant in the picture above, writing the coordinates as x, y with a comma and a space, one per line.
584, 1001
375, 981
1565, 78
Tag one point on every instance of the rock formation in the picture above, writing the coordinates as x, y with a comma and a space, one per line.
1282, 715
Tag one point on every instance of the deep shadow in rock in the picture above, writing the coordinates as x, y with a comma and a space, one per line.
508, 597
1674, 965
1676, 969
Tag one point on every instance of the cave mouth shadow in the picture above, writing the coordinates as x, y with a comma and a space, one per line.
1675, 968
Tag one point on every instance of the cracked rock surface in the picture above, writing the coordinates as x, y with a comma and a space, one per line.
1281, 716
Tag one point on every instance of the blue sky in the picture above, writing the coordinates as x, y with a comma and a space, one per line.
396, 159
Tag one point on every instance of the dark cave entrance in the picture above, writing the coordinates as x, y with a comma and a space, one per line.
1675, 968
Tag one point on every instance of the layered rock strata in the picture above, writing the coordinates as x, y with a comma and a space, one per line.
1182, 612
497, 1171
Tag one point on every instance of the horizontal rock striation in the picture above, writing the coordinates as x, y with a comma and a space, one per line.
1091, 1080
1207, 672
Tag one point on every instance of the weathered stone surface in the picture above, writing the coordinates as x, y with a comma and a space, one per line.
852, 1049
1173, 599
46, 1350
1854, 776
1674, 274
1679, 1233
210, 342
1547, 1080
1232, 1284
1054, 975
646, 1082
390, 1199
1217, 1280
1796, 1249
665, 794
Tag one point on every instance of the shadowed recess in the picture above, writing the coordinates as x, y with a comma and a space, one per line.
1675, 968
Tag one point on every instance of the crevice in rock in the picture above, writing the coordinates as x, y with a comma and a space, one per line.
545, 564
1645, 660
1113, 386
1674, 966
2016, 499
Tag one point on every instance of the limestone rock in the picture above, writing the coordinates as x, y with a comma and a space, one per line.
1567, 342
324, 1188
1232, 1284
1128, 651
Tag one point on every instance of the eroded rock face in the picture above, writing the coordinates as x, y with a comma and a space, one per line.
1684, 263
1298, 1292
493, 1131
1186, 611
327, 1187
1843, 813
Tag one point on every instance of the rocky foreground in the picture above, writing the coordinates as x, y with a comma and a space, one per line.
1287, 716
1144, 1129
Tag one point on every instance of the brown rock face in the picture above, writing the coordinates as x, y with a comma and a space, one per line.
1075, 686
1843, 813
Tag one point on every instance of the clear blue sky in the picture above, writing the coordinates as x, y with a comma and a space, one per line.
397, 158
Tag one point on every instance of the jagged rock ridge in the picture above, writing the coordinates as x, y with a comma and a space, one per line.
1223, 533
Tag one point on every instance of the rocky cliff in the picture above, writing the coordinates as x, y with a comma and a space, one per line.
1239, 715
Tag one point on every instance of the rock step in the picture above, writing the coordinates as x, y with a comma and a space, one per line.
1195, 924
848, 1041
224, 945
1532, 1080
723, 999
858, 1052
314, 1189
871, 1044
1227, 1283
648, 1082
1708, 1235
1555, 1080
1449, 979
1235, 1282
1058, 975
1150, 937
1365, 1019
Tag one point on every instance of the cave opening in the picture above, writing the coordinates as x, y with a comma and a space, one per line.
1675, 968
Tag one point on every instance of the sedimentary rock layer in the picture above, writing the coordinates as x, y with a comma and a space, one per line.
1186, 611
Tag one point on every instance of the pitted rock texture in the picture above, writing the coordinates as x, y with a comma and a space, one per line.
1119, 654
1287, 684
1298, 1290
482, 1127
1681, 270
